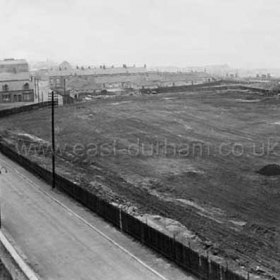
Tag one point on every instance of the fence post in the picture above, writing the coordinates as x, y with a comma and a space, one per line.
173, 245
209, 268
120, 211
143, 232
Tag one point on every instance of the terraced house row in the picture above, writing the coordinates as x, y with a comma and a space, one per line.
66, 79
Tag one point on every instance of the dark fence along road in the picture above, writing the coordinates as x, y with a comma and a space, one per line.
182, 255
16, 110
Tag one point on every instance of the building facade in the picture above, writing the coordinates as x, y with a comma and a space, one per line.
16, 84
102, 77
74, 82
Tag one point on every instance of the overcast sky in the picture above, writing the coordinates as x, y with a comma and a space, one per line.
156, 32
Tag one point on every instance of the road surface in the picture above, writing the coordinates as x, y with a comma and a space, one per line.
62, 240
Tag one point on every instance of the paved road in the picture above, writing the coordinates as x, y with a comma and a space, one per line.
61, 240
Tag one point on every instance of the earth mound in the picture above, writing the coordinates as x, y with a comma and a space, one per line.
270, 170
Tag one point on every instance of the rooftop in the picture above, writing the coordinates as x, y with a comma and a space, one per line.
12, 61
97, 71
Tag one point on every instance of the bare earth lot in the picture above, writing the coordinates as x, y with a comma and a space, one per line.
191, 157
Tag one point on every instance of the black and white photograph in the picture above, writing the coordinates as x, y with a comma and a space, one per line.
140, 140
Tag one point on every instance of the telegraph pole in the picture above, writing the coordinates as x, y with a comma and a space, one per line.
38, 91
64, 90
2, 170
53, 144
64, 85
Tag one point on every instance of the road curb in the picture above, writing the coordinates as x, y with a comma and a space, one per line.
28, 272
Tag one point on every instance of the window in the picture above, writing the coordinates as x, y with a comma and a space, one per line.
5, 87
28, 97
26, 86
15, 98
57, 81
6, 98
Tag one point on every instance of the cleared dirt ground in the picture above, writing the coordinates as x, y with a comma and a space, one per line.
189, 156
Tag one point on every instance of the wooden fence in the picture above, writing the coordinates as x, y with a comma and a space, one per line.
185, 257
16, 110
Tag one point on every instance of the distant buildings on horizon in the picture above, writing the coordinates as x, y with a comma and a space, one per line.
221, 70
18, 83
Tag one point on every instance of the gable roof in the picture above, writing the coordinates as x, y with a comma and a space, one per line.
65, 64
